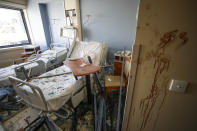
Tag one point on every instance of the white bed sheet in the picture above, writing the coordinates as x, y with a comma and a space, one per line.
53, 57
85, 49
5, 73
57, 90
49, 59
37, 68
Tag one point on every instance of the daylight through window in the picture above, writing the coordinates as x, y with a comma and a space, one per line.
13, 31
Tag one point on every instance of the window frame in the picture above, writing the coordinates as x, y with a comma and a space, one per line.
25, 26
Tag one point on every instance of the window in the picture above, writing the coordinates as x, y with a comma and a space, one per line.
13, 29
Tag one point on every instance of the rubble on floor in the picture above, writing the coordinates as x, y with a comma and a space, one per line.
9, 105
85, 117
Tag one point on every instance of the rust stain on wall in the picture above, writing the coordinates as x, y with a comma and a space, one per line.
184, 38
146, 105
133, 112
148, 6
147, 24
161, 66
166, 81
140, 61
138, 27
167, 39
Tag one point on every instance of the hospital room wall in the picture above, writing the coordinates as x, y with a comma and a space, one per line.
36, 25
167, 35
111, 21
45, 21
55, 17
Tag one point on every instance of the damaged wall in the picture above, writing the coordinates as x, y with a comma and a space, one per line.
166, 30
110, 21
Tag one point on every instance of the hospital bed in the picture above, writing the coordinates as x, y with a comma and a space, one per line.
42, 62
52, 86
54, 56
49, 94
56, 90
36, 64
15, 70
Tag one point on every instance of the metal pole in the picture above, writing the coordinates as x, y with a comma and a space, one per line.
100, 114
120, 94
95, 112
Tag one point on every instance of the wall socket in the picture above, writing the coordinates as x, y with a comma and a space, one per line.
178, 86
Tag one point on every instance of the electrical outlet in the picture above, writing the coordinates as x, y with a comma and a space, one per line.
178, 86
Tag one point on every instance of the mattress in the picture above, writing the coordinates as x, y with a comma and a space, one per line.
37, 68
92, 49
5, 73
53, 57
57, 90
48, 60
